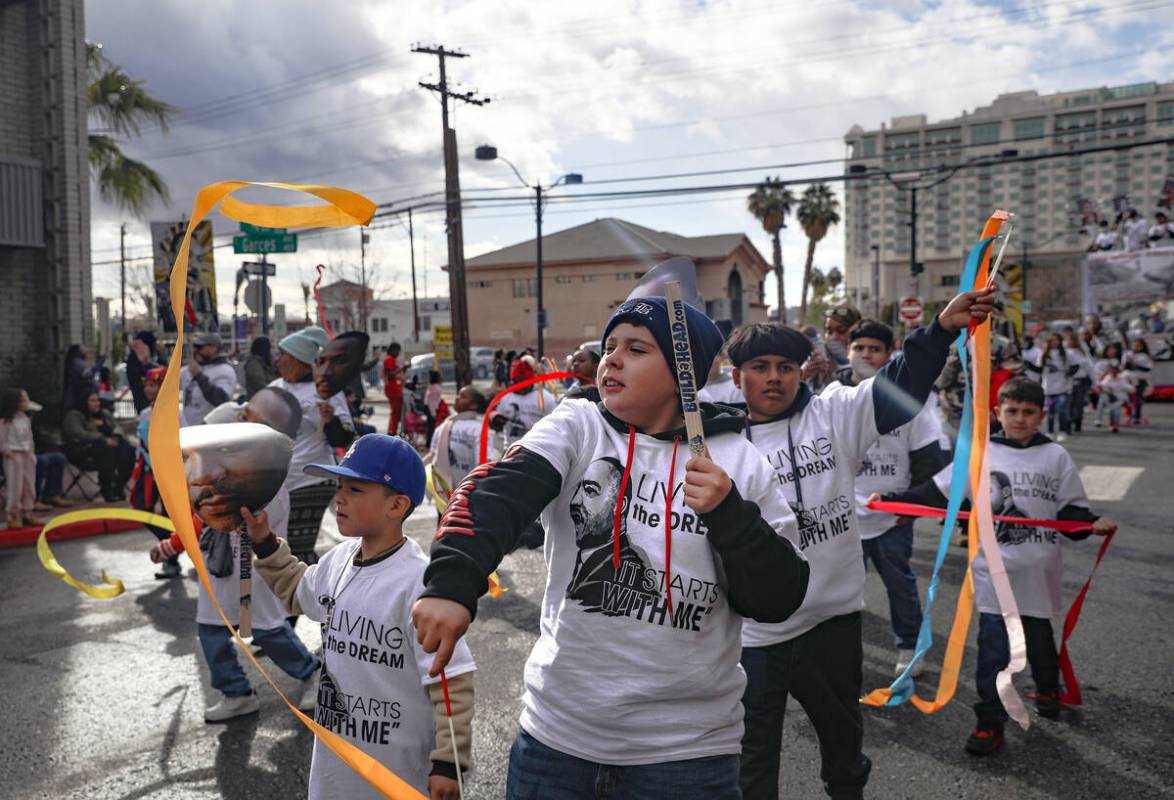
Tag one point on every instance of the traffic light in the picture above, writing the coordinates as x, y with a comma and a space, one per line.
917, 268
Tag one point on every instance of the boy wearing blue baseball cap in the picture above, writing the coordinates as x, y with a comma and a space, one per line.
374, 689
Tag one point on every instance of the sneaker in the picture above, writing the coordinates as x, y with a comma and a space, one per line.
169, 569
1115, 429
903, 659
232, 707
309, 696
1061, 437
1047, 704
1096, 423
986, 739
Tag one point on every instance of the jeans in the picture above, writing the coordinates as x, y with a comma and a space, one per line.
50, 471
823, 670
1057, 406
994, 653
1078, 401
1139, 399
282, 646
891, 552
538, 772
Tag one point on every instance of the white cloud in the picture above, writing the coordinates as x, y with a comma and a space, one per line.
626, 81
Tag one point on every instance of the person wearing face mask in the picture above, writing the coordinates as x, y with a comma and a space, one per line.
208, 379
903, 457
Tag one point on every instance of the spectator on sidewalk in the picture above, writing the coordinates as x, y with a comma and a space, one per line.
93, 441
139, 361
258, 366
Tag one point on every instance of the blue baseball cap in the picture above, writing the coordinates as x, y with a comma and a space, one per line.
379, 458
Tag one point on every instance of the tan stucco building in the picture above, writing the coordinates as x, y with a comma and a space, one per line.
590, 269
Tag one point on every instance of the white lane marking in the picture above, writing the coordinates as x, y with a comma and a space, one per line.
1108, 484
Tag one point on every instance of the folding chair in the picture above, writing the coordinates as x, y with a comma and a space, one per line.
80, 468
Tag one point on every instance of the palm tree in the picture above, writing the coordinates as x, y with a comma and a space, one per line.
118, 106
770, 203
818, 211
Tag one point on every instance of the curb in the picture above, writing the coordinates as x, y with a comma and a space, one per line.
24, 537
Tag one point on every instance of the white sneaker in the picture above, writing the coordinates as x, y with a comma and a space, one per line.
903, 659
1060, 437
309, 694
232, 707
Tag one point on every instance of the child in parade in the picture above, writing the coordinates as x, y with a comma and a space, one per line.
375, 689
18, 449
906, 456
230, 467
456, 445
520, 410
1115, 390
654, 557
1034, 478
143, 494
816, 445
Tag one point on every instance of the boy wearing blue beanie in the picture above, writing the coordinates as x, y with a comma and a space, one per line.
654, 558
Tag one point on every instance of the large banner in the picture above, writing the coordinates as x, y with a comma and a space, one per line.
1131, 276
200, 305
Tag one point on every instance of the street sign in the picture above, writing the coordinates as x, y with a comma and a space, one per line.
442, 342
256, 232
282, 243
910, 309
259, 268
253, 297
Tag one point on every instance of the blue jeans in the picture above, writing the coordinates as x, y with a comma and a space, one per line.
538, 772
891, 552
1057, 406
994, 654
282, 646
50, 471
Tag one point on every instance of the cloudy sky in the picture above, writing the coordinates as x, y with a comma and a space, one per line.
320, 92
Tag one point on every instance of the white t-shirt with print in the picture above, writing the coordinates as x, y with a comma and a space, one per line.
721, 391
522, 412
268, 612
1032, 482
310, 446
816, 455
886, 467
464, 447
614, 678
372, 689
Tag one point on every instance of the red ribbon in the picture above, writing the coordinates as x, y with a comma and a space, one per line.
318, 301
915, 510
1071, 694
483, 456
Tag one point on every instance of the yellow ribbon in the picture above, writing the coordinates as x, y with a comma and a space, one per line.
114, 587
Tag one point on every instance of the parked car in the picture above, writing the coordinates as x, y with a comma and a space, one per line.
421, 366
481, 362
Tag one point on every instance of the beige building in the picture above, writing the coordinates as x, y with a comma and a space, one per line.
590, 269
1050, 236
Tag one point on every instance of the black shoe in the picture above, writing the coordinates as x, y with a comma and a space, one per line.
986, 739
169, 569
1047, 704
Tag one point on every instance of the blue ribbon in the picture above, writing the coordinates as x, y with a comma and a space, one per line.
902, 688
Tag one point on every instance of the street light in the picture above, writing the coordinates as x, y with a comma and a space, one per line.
488, 152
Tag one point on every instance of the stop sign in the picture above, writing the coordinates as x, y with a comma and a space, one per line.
910, 309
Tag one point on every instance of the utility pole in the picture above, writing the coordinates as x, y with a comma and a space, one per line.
363, 310
122, 274
914, 272
458, 301
541, 309
415, 301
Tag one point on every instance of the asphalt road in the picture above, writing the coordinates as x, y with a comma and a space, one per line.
103, 699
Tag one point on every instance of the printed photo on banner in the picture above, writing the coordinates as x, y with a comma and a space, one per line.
200, 302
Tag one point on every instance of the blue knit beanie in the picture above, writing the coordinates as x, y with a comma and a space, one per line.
705, 340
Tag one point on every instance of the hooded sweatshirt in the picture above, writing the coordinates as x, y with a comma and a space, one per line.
620, 675
816, 447
1036, 480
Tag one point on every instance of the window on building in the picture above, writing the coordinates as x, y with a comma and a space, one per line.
1029, 128
525, 287
1165, 118
563, 279
425, 323
868, 147
588, 278
984, 134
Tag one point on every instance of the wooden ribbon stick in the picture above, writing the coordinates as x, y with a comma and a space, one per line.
246, 559
686, 375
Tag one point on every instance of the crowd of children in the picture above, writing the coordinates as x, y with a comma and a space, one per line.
689, 594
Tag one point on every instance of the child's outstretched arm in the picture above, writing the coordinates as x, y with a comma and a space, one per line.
280, 570
487, 514
442, 782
